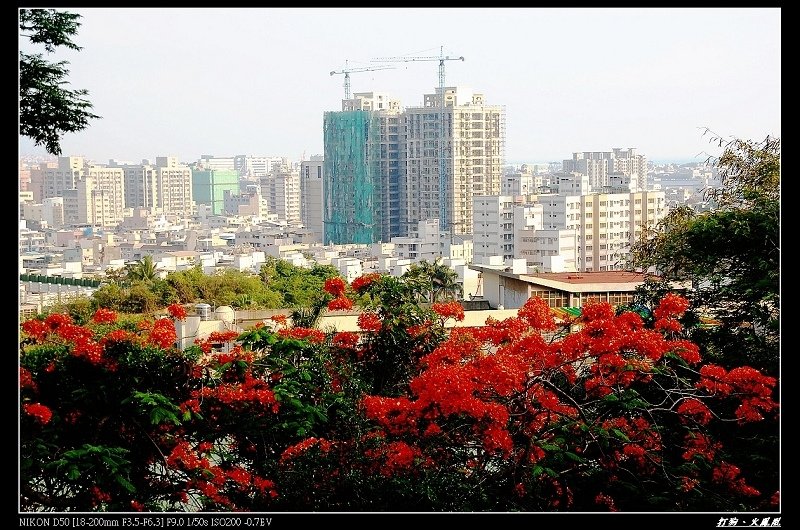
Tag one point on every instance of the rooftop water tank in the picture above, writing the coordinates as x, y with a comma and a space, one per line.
203, 311
224, 313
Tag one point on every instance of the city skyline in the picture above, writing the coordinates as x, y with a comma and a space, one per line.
186, 82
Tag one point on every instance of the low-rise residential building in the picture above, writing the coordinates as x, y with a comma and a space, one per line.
510, 289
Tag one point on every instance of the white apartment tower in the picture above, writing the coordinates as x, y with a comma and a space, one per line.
607, 223
598, 165
250, 166
471, 159
64, 176
281, 189
174, 186
593, 231
497, 220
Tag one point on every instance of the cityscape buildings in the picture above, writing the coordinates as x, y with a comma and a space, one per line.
371, 202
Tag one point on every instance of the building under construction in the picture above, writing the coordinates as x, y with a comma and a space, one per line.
383, 163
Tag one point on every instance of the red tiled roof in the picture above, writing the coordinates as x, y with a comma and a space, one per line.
592, 277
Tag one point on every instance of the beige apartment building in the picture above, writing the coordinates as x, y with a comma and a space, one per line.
93, 194
164, 187
472, 160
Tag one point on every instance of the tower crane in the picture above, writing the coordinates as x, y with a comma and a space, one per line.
441, 58
443, 220
347, 71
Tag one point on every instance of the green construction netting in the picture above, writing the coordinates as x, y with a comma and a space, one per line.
352, 185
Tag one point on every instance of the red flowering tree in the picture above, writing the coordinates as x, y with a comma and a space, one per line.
604, 413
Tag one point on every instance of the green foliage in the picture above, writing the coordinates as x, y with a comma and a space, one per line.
80, 309
279, 284
143, 270
298, 286
731, 255
140, 299
434, 282
391, 355
48, 110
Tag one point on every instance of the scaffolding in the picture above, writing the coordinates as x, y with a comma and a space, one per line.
352, 177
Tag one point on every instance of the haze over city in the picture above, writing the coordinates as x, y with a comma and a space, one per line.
191, 81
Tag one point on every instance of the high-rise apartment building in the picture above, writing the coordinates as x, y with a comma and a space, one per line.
249, 202
36, 184
216, 162
93, 194
598, 165
64, 176
165, 187
497, 219
521, 182
281, 189
383, 163
258, 166
311, 203
469, 151
362, 171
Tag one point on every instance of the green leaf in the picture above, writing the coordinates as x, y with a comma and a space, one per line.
125, 483
621, 435
573, 456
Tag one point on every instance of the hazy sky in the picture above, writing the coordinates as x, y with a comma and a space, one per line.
256, 81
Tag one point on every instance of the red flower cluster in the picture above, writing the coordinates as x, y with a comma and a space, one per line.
596, 310
728, 474
698, 444
605, 500
217, 337
695, 409
745, 383
162, 333
537, 314
41, 412
363, 282
369, 321
26, 379
449, 310
239, 396
669, 310
671, 306
104, 316
340, 303
279, 319
118, 335
345, 339
394, 457
335, 286
293, 451
177, 311
37, 329
309, 334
